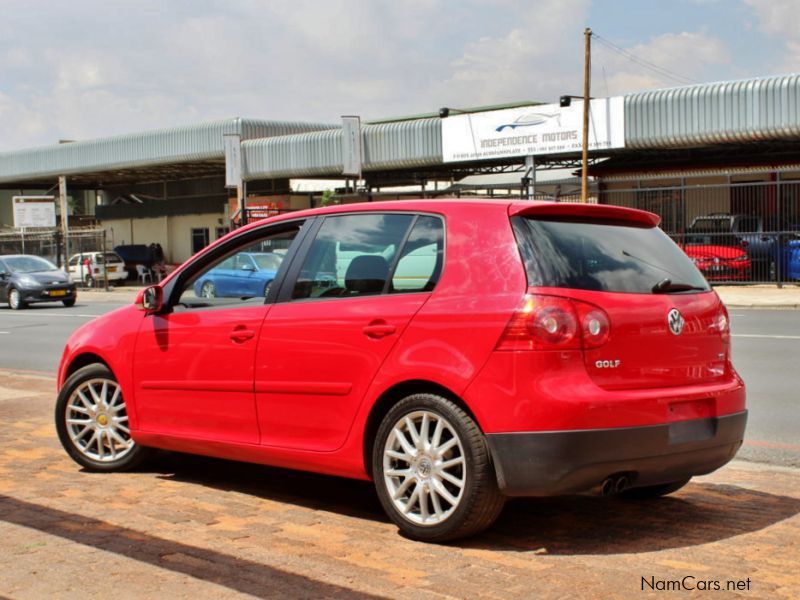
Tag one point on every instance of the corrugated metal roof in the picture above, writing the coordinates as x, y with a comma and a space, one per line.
397, 145
700, 171
173, 145
715, 113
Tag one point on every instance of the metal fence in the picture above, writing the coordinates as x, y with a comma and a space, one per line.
744, 232
49, 243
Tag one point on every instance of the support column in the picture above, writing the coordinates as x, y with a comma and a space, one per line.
62, 198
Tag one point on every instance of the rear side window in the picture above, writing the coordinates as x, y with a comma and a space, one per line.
421, 260
351, 256
610, 257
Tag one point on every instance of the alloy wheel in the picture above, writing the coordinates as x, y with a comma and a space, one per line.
14, 299
208, 290
424, 468
97, 421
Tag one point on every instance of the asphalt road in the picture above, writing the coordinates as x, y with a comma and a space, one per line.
766, 350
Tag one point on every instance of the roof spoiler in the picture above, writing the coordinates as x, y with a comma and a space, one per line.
590, 211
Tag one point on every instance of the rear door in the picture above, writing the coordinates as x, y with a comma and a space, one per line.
662, 334
336, 320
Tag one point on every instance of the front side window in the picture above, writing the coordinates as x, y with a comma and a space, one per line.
352, 255
244, 275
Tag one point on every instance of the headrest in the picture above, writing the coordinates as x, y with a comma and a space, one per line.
366, 274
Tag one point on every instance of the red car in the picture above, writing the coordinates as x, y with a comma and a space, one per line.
720, 263
454, 352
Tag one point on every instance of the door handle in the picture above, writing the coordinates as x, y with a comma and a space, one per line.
379, 329
241, 334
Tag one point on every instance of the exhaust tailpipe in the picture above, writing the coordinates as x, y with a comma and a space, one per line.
615, 484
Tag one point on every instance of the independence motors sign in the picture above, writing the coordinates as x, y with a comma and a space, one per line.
532, 130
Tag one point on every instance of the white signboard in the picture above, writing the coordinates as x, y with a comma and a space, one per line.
532, 130
351, 146
34, 211
232, 144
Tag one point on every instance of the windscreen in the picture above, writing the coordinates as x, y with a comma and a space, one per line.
29, 264
601, 256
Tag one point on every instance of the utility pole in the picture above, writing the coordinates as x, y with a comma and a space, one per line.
587, 61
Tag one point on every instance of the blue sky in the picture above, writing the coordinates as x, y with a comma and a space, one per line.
89, 68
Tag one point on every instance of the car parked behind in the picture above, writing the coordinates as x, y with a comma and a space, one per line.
457, 353
27, 279
93, 267
244, 274
765, 247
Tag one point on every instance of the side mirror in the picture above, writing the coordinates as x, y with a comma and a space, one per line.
3, 274
246, 267
150, 299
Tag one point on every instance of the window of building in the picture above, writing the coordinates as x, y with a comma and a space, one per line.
199, 239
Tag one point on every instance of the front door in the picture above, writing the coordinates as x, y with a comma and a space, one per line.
194, 364
338, 316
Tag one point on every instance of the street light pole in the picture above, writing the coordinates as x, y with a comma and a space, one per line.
587, 60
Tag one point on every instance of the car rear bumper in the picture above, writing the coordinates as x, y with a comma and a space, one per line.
549, 463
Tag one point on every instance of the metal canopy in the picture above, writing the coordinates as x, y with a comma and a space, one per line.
173, 153
731, 117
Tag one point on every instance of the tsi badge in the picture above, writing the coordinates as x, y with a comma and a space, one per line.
607, 364
675, 321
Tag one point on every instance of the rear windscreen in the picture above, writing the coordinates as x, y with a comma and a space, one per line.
610, 257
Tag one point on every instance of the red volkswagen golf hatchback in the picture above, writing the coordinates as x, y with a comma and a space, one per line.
454, 352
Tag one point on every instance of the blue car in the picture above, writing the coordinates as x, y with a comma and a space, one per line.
242, 275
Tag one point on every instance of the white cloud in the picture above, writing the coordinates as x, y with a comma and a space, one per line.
680, 57
91, 68
780, 18
538, 59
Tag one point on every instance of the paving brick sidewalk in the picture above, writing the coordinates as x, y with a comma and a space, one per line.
760, 296
192, 527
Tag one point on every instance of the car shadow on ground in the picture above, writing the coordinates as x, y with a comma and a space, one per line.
237, 574
572, 525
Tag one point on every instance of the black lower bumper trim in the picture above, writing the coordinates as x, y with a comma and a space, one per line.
550, 463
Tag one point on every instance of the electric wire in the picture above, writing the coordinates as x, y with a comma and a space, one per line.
661, 71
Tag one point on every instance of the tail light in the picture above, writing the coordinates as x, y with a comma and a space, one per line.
555, 323
595, 325
723, 324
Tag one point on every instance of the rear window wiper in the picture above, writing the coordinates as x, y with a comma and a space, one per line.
666, 286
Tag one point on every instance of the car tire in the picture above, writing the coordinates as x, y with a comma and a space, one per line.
654, 491
208, 290
433, 488
92, 422
69, 302
15, 300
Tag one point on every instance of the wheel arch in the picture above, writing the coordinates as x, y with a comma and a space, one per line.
392, 396
84, 360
